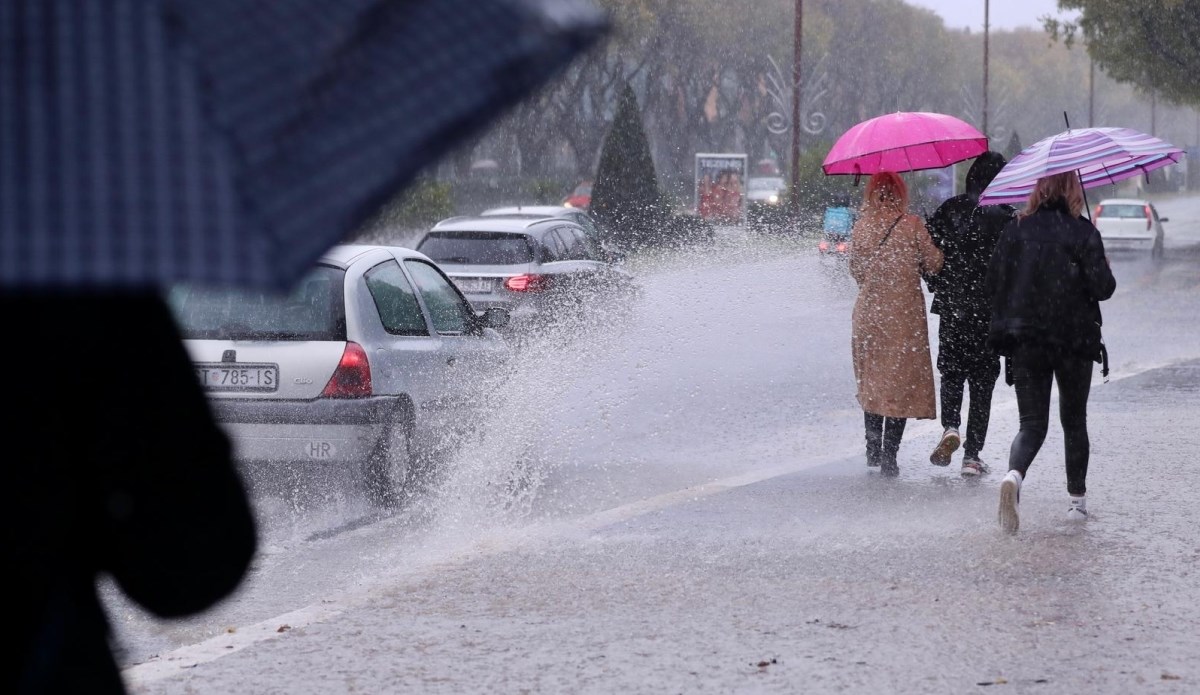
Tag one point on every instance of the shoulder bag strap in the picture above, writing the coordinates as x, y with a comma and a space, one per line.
889, 231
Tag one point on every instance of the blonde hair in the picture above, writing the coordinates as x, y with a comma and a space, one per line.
885, 191
1065, 186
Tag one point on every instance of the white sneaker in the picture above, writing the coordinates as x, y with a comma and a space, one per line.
945, 448
1010, 496
1078, 509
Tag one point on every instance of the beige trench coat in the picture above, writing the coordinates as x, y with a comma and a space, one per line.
890, 331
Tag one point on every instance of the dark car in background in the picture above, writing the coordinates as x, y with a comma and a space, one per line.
540, 270
563, 212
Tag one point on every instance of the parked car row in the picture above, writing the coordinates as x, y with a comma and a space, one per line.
380, 359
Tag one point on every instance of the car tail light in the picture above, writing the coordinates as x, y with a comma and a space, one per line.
823, 246
1149, 223
527, 283
352, 378
1099, 209
842, 247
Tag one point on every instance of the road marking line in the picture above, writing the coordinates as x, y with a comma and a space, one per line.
181, 660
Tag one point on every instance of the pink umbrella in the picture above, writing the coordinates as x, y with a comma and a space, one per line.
904, 141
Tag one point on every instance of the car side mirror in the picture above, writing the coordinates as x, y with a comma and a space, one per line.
494, 317
614, 256
1164, 219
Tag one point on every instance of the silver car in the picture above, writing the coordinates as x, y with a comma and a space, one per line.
372, 361
539, 269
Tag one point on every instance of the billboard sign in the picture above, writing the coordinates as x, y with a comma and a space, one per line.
720, 187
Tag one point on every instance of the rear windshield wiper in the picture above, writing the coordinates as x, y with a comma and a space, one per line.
235, 328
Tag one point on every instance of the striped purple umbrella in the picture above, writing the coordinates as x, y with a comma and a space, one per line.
1102, 156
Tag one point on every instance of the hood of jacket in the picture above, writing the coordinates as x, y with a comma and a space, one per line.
982, 171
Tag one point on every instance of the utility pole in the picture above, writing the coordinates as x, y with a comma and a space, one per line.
986, 13
794, 199
1154, 114
1091, 92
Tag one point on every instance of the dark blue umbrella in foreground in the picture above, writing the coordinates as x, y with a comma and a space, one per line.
147, 142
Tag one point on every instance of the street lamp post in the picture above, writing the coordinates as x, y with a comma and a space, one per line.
794, 198
986, 9
1091, 92
1154, 113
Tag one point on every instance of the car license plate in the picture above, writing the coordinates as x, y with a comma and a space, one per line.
474, 285
234, 376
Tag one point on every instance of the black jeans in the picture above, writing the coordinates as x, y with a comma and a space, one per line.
1033, 374
981, 378
883, 438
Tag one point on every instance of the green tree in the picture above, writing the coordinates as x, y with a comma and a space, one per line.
626, 200
1151, 43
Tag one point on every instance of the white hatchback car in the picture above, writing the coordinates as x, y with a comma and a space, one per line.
1130, 222
375, 358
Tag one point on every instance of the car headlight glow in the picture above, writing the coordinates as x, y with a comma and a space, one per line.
773, 199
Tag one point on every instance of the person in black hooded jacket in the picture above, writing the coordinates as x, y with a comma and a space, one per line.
1046, 280
119, 470
966, 233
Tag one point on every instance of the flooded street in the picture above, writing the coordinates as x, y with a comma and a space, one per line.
671, 500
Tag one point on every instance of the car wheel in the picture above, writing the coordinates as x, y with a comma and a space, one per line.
389, 467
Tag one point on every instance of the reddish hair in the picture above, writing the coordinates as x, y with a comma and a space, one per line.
885, 191
1065, 186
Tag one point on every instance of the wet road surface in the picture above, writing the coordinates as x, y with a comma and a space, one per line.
617, 561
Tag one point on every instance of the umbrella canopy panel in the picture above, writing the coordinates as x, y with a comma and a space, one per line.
904, 141
146, 142
1101, 156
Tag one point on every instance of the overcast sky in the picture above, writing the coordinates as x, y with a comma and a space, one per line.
1003, 14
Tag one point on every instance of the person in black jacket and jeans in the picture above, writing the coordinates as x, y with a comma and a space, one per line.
966, 232
1046, 280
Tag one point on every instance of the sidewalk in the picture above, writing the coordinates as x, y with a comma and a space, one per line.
828, 580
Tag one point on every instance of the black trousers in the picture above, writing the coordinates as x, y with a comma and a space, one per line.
1033, 375
981, 378
883, 437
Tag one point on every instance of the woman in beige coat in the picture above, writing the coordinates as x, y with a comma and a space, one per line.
890, 250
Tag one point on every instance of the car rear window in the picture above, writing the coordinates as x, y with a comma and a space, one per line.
765, 184
1123, 211
314, 310
477, 248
